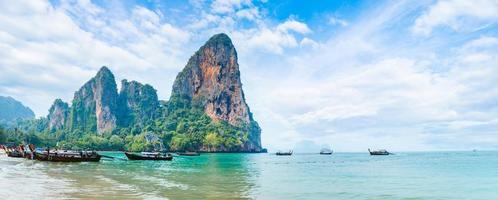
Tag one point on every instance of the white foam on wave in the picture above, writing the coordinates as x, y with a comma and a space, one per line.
25, 179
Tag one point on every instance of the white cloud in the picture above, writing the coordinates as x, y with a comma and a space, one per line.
337, 21
457, 14
293, 25
309, 42
249, 13
362, 84
275, 40
49, 54
228, 6
482, 42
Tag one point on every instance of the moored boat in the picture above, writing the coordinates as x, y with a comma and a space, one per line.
65, 155
380, 152
149, 156
13, 151
326, 151
281, 153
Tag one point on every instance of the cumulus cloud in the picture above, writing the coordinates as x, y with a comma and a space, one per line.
457, 15
275, 40
309, 42
50, 51
228, 6
361, 84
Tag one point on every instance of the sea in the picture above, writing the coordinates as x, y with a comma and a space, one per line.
348, 176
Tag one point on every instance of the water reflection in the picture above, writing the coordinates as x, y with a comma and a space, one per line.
209, 176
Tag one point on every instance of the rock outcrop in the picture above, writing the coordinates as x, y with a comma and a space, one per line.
207, 110
138, 104
95, 105
58, 115
211, 79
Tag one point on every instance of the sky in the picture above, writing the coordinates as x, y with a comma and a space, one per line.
350, 75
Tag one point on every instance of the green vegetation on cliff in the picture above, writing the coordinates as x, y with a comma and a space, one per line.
206, 111
182, 126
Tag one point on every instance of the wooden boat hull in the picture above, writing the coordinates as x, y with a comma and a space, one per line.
66, 158
133, 156
284, 154
15, 154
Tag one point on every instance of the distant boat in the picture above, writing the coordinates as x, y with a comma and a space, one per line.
148, 156
189, 153
280, 153
326, 151
380, 152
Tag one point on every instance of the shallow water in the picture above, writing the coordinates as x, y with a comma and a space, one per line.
431, 175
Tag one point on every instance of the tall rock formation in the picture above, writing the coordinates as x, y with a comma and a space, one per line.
95, 105
211, 79
58, 115
138, 104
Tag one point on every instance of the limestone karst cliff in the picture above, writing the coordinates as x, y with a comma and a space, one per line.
211, 79
207, 110
94, 106
58, 115
138, 104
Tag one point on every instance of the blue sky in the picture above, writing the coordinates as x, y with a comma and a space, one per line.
402, 75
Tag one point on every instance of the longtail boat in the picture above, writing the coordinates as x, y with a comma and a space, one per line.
188, 153
380, 152
280, 153
149, 156
13, 151
65, 155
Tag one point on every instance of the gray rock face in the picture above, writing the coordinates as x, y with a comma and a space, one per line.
95, 104
138, 104
58, 115
212, 79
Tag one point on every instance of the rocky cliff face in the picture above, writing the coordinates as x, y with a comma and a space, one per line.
58, 115
95, 104
211, 79
138, 104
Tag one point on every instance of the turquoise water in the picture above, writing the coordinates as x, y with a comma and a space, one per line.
435, 175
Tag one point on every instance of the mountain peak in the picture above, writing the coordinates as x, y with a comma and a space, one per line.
104, 71
211, 79
11, 109
219, 39
94, 106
